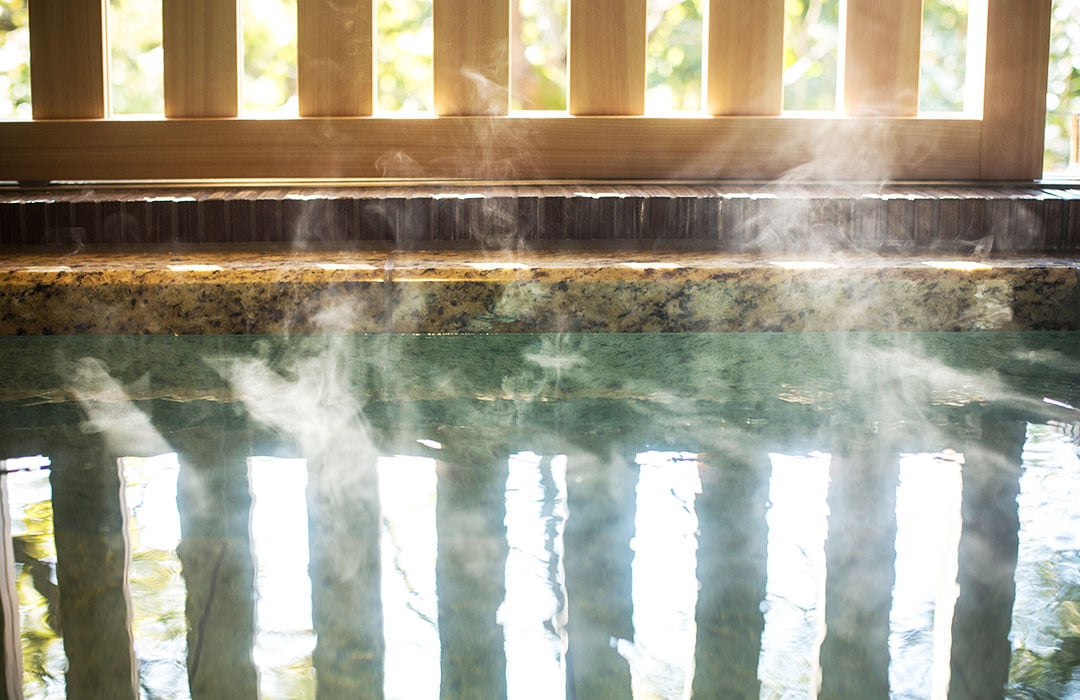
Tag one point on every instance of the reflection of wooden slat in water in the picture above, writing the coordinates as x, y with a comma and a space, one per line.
11, 665
343, 526
600, 496
470, 570
731, 555
860, 566
988, 553
92, 553
216, 558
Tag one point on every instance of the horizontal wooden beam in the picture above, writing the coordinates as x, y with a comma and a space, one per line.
793, 149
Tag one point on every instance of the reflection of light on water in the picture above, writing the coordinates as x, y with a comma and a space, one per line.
664, 577
795, 576
284, 634
158, 593
533, 615
29, 495
928, 523
1044, 614
407, 497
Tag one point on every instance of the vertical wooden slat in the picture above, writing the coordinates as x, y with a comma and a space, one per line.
745, 57
68, 59
201, 42
472, 56
881, 57
11, 665
1014, 100
607, 57
334, 58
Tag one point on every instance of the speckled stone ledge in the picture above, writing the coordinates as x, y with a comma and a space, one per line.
725, 217
310, 292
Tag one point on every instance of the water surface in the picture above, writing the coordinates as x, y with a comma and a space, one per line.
578, 516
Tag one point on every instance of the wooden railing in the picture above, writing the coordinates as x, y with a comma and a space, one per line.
879, 133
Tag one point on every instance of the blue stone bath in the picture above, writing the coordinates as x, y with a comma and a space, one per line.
711, 515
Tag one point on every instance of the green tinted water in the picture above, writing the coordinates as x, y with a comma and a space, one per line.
581, 516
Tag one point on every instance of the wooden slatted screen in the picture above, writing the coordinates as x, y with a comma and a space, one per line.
742, 134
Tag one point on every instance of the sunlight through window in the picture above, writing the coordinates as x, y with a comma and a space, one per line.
533, 615
284, 634
928, 523
1045, 611
29, 496
795, 576
158, 593
663, 575
409, 545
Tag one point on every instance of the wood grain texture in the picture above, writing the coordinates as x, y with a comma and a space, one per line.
881, 57
334, 69
745, 58
201, 42
607, 57
1014, 99
472, 57
509, 148
68, 59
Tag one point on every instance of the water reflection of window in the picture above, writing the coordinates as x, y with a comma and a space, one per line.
29, 496
795, 576
1046, 612
284, 634
533, 613
663, 574
408, 543
928, 522
159, 626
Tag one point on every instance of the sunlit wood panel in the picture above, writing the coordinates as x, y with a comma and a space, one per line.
472, 57
881, 57
200, 39
745, 57
334, 61
607, 57
1014, 101
68, 59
